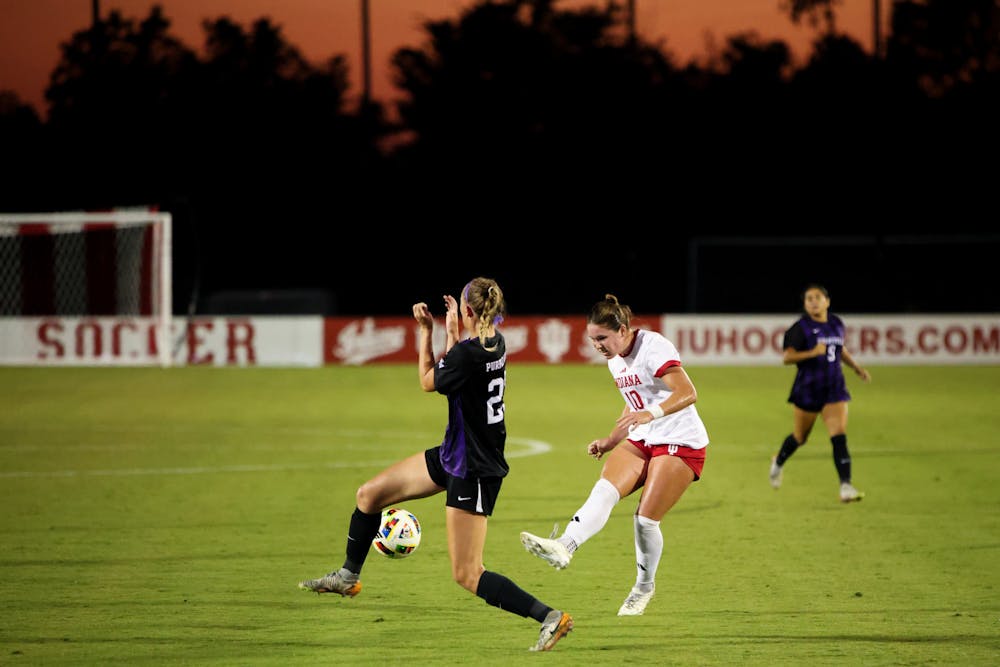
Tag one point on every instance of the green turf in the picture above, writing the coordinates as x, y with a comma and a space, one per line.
165, 516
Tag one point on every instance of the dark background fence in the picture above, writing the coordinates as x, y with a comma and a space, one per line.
705, 274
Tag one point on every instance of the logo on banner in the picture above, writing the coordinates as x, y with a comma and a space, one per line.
515, 337
359, 342
553, 339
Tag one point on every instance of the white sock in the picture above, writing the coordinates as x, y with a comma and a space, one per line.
648, 549
592, 515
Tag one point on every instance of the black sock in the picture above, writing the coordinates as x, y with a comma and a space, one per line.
788, 448
500, 591
359, 538
841, 457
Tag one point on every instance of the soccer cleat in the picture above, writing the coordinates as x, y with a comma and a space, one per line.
555, 626
332, 583
635, 603
551, 551
849, 494
774, 476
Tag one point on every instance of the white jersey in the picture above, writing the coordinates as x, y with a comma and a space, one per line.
636, 377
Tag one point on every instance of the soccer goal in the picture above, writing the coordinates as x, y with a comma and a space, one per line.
86, 288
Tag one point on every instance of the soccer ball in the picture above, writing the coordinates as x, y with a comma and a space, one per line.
399, 534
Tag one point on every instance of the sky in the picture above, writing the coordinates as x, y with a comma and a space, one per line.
31, 31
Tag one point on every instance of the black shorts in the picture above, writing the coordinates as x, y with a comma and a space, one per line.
477, 494
810, 395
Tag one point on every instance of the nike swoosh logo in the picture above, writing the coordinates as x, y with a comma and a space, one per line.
466, 498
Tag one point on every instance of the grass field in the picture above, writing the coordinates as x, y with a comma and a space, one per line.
165, 517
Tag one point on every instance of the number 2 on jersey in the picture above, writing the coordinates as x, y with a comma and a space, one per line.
494, 404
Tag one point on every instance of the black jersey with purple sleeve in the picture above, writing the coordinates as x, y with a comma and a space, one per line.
474, 380
818, 380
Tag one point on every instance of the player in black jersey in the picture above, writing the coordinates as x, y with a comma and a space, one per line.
468, 465
815, 344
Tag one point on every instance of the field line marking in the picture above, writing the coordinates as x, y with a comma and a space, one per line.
530, 447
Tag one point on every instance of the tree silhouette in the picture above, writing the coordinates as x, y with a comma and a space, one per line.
524, 125
261, 106
113, 104
27, 153
949, 48
118, 72
283, 151
522, 86
819, 14
250, 140
153, 120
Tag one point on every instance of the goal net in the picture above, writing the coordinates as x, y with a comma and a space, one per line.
85, 288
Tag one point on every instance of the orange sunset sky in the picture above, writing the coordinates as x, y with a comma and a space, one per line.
31, 31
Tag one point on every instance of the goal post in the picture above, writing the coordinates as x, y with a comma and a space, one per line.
102, 271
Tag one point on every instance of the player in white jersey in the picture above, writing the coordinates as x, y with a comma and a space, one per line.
657, 444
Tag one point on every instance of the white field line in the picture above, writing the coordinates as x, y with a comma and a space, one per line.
527, 447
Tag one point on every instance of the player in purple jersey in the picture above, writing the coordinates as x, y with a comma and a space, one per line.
815, 344
468, 465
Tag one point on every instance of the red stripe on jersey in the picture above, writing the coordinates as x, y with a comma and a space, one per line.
663, 369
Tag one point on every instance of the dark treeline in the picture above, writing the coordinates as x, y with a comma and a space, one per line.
546, 148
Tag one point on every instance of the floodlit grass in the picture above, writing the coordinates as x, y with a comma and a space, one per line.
165, 516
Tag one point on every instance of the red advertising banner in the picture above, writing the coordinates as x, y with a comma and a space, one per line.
715, 340
740, 340
552, 340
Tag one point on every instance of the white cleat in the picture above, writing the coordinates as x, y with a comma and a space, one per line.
635, 603
551, 551
848, 494
774, 476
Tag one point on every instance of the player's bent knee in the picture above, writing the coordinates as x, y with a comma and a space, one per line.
467, 577
367, 498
